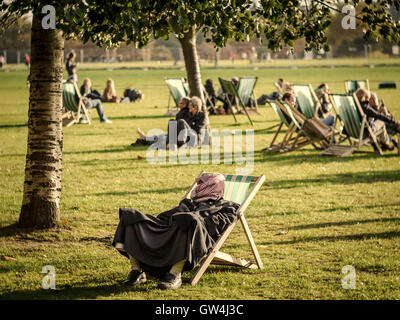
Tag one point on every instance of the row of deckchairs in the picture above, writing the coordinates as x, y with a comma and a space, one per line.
244, 94
350, 122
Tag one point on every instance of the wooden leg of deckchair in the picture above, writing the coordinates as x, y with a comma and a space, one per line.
203, 267
251, 241
230, 107
398, 144
225, 259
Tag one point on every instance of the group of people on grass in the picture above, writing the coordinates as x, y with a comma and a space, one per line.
92, 98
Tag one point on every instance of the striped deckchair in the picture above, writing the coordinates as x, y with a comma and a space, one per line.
246, 91
176, 89
356, 127
237, 190
299, 136
285, 121
307, 100
351, 86
73, 103
229, 89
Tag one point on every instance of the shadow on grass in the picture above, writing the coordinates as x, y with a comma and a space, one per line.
6, 126
123, 149
339, 178
128, 193
351, 237
342, 223
139, 117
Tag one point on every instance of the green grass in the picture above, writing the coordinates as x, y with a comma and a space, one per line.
313, 215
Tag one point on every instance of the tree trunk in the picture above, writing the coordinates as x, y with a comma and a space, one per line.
188, 43
42, 185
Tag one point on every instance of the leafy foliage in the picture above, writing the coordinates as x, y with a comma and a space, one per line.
111, 23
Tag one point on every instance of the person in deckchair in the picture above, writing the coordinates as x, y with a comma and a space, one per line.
322, 93
175, 240
290, 99
378, 121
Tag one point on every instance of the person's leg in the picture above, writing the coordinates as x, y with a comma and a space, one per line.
173, 279
96, 103
383, 137
136, 276
329, 121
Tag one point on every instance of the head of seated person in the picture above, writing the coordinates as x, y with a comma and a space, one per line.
195, 105
209, 186
289, 98
183, 103
363, 95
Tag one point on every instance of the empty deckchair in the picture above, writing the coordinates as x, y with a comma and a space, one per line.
229, 89
246, 91
237, 190
356, 127
73, 104
351, 86
307, 100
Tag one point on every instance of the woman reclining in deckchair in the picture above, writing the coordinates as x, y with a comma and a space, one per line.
175, 240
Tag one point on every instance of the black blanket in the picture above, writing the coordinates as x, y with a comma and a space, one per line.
188, 231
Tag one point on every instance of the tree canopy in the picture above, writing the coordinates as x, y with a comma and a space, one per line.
110, 23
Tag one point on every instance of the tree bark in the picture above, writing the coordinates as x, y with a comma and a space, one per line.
188, 43
43, 168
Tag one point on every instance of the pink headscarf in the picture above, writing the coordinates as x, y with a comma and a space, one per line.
209, 186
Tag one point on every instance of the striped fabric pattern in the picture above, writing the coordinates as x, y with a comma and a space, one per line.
177, 89
305, 100
353, 85
292, 116
236, 187
279, 112
348, 112
70, 97
245, 89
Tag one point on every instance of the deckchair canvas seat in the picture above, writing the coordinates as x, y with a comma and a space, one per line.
237, 189
352, 86
73, 104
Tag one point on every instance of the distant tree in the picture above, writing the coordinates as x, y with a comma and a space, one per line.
110, 23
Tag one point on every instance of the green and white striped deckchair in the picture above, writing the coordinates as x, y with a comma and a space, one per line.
73, 103
229, 89
237, 189
246, 91
356, 126
285, 120
351, 86
307, 100
176, 89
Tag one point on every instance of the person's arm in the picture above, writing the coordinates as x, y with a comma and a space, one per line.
373, 113
199, 122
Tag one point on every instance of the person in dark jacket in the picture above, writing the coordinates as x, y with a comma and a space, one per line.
71, 66
379, 122
175, 240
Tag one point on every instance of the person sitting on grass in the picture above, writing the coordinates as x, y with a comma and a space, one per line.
190, 127
183, 114
175, 240
379, 122
109, 93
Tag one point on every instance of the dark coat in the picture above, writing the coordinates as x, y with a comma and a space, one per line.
188, 231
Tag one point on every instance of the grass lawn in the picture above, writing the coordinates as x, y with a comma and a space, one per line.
313, 215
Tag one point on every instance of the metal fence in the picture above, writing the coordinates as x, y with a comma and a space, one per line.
207, 53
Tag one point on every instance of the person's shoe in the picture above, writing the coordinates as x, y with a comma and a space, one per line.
170, 281
135, 278
106, 121
82, 120
387, 147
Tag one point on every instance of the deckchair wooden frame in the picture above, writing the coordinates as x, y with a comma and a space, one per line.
302, 139
362, 139
229, 89
291, 128
317, 105
218, 257
351, 91
73, 104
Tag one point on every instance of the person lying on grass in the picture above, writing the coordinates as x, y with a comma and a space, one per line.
175, 240
189, 124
